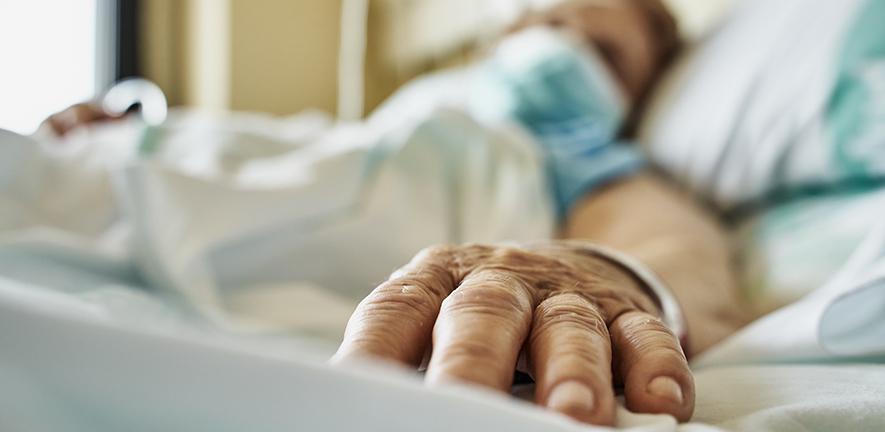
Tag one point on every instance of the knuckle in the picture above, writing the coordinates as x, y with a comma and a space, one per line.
569, 340
531, 261
575, 353
649, 335
509, 253
436, 252
403, 296
429, 274
569, 329
476, 248
494, 297
433, 259
569, 309
454, 261
431, 280
492, 279
644, 324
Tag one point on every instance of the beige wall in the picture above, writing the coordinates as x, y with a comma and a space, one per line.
278, 56
284, 54
161, 24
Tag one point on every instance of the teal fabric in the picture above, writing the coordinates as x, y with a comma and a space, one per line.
856, 112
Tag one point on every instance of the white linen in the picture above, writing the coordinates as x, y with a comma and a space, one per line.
845, 318
68, 366
744, 112
793, 397
222, 206
791, 249
116, 377
88, 345
834, 318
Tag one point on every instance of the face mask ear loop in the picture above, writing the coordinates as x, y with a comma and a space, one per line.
352, 59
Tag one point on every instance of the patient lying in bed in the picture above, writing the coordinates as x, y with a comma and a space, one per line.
645, 276
573, 97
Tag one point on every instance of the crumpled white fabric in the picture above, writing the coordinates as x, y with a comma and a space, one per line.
220, 206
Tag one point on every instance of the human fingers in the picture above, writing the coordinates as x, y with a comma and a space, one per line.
651, 363
396, 320
570, 356
481, 329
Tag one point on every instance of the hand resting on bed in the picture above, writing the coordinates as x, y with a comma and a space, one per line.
584, 323
571, 311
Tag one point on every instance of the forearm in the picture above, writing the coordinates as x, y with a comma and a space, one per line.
681, 242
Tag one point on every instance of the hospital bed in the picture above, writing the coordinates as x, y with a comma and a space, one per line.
89, 343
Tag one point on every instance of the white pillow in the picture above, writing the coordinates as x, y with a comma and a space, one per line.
744, 111
697, 17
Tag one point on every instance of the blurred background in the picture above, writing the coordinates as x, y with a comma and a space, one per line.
278, 56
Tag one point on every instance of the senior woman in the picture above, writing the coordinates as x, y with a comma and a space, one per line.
588, 313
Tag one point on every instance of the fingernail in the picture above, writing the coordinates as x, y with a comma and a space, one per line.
571, 397
666, 388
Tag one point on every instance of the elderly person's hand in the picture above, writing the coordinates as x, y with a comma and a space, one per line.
584, 323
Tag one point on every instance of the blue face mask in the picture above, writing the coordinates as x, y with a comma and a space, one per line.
562, 92
551, 83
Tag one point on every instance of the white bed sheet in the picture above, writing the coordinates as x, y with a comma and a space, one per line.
69, 366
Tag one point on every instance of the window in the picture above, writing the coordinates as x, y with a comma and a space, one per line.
53, 53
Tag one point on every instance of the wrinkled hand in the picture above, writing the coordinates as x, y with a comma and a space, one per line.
583, 322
